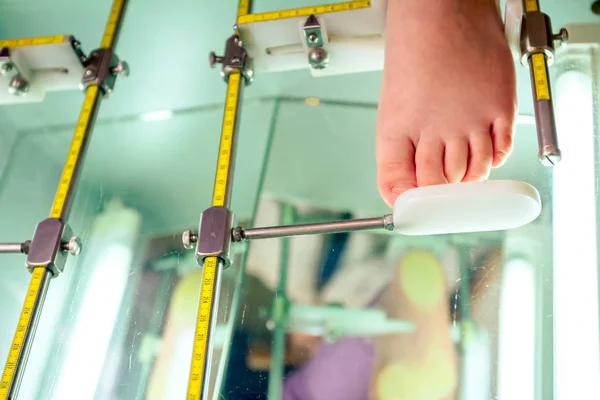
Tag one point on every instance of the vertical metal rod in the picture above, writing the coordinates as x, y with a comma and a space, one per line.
549, 153
280, 313
212, 266
32, 308
220, 381
33, 305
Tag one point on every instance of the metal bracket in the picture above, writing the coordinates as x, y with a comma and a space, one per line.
235, 59
101, 68
537, 37
51, 243
314, 35
214, 235
18, 85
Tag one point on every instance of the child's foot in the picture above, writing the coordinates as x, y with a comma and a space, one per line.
448, 98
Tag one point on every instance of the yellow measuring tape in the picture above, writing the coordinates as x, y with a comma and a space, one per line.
211, 264
76, 151
540, 76
37, 41
531, 5
302, 12
10, 369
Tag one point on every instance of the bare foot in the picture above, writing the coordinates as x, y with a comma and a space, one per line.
448, 98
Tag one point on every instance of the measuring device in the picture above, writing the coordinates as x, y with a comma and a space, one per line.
53, 240
537, 53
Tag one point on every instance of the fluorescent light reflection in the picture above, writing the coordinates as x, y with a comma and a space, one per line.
516, 332
159, 115
88, 345
576, 351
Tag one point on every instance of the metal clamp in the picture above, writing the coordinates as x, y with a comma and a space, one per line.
235, 59
18, 85
214, 235
537, 37
314, 36
51, 243
101, 68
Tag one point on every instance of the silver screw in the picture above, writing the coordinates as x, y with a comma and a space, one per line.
122, 69
18, 86
562, 36
189, 239
73, 246
214, 59
7, 67
313, 37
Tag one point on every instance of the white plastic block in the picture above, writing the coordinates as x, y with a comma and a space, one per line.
466, 207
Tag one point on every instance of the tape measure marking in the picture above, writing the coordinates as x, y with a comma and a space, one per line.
37, 41
531, 5
16, 348
110, 32
81, 130
205, 306
303, 12
226, 146
540, 76
199, 355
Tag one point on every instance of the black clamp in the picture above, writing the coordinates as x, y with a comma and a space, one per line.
537, 37
101, 69
51, 243
235, 59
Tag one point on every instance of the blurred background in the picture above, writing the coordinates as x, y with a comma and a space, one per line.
521, 306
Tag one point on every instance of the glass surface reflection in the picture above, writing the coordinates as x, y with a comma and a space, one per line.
343, 316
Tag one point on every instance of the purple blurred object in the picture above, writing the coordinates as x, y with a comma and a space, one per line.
338, 371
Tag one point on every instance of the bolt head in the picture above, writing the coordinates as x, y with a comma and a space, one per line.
18, 86
74, 246
313, 38
188, 238
318, 58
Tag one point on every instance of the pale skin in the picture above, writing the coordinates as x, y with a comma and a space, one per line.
448, 97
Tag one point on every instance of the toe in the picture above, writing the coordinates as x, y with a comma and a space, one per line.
502, 137
395, 167
480, 157
430, 161
456, 157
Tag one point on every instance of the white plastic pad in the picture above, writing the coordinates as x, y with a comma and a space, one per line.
47, 67
466, 207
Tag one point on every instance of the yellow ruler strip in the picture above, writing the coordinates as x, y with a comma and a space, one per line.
34, 290
226, 148
303, 12
110, 32
244, 7
540, 76
531, 5
202, 328
81, 130
200, 352
37, 41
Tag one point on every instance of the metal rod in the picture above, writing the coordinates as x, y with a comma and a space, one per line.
212, 324
221, 381
280, 312
315, 229
66, 208
40, 297
9, 248
549, 152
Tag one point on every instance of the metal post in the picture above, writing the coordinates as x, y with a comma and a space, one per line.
384, 222
280, 313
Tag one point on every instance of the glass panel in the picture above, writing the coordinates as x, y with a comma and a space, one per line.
366, 315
